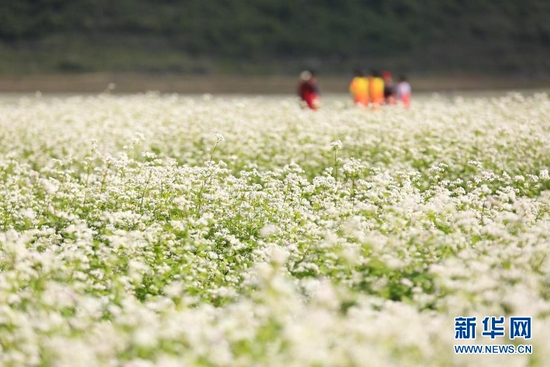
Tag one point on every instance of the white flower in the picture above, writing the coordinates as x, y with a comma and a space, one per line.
336, 144
268, 230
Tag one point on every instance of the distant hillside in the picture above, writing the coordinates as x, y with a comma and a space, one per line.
274, 36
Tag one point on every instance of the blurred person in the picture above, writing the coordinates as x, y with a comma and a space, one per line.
308, 90
376, 89
359, 88
404, 91
390, 89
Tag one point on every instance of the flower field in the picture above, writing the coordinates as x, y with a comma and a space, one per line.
155, 230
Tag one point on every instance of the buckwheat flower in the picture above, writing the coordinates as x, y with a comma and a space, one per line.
149, 155
278, 255
28, 213
50, 187
352, 253
393, 262
137, 269
336, 145
268, 230
264, 270
145, 337
325, 295
139, 362
533, 178
68, 352
167, 360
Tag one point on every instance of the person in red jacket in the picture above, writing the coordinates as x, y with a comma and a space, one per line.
308, 90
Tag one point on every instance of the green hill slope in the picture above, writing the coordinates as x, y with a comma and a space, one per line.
270, 36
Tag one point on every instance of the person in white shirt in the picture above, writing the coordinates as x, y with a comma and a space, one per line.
404, 92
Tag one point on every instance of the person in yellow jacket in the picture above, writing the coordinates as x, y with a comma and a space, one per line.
359, 89
376, 88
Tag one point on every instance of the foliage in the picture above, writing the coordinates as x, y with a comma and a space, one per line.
505, 36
